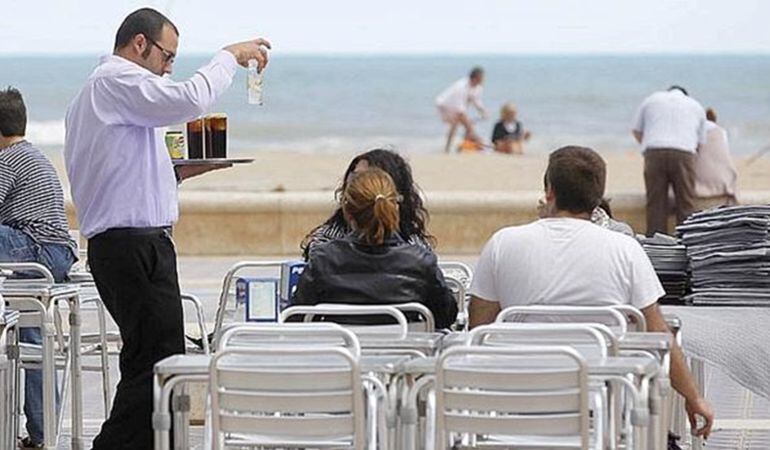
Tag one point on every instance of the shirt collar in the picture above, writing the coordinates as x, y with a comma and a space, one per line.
21, 143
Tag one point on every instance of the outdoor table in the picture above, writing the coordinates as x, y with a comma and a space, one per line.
36, 302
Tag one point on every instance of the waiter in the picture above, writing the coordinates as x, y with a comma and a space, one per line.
124, 189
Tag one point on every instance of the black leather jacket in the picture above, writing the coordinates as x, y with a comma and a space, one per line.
348, 271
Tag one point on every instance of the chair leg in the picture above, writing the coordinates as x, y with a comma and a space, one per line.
105, 358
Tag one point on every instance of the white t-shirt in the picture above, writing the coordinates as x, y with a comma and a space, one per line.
670, 119
457, 96
564, 261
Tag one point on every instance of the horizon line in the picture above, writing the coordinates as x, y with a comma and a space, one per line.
427, 54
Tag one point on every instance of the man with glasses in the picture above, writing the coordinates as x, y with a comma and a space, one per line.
124, 188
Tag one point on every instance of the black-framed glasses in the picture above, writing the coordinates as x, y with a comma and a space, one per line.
168, 57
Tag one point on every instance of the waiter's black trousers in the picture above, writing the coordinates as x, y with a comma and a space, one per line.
136, 275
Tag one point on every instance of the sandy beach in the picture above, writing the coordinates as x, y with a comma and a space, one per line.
294, 171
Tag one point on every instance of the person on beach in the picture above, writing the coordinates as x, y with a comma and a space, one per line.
413, 217
565, 259
453, 102
124, 187
372, 264
670, 126
33, 228
715, 173
509, 134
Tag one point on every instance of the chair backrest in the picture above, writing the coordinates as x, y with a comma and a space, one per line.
31, 272
327, 310
427, 323
286, 397
304, 335
458, 270
459, 291
634, 317
228, 284
518, 391
589, 340
605, 315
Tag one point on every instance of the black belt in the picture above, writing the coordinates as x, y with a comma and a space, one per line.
112, 233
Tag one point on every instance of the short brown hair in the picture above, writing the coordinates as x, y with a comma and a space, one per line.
577, 176
13, 113
146, 21
371, 200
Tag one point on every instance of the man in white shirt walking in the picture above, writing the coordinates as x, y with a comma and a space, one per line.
565, 259
453, 102
124, 189
670, 126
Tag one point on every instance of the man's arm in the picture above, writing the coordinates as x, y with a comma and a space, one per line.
137, 98
681, 378
637, 136
482, 312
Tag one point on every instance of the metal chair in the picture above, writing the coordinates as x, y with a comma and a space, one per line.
287, 397
228, 285
37, 300
512, 397
9, 375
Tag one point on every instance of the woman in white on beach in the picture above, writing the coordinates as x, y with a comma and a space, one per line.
715, 173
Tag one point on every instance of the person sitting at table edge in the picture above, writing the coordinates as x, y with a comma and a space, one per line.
373, 264
564, 259
33, 228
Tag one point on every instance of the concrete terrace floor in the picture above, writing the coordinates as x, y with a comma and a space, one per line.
202, 276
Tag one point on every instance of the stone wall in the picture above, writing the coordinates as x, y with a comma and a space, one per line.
238, 223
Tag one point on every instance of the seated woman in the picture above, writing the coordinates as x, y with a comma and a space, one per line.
509, 134
412, 214
373, 264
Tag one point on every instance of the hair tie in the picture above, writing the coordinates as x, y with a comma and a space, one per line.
379, 197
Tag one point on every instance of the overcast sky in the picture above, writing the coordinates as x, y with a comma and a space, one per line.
403, 26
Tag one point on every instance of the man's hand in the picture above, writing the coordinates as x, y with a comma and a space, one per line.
700, 408
185, 172
247, 50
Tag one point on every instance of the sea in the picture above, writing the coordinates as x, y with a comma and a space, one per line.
351, 103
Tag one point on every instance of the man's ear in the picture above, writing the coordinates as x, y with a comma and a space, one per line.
140, 43
550, 195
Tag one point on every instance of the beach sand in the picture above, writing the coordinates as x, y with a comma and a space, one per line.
294, 171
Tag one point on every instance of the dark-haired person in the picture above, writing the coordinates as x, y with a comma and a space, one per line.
413, 216
452, 104
565, 259
669, 125
124, 188
33, 228
372, 264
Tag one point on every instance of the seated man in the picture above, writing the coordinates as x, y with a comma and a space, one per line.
33, 228
564, 259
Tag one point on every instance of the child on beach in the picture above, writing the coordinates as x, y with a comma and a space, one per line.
509, 134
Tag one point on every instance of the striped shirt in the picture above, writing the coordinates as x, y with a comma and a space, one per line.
31, 196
